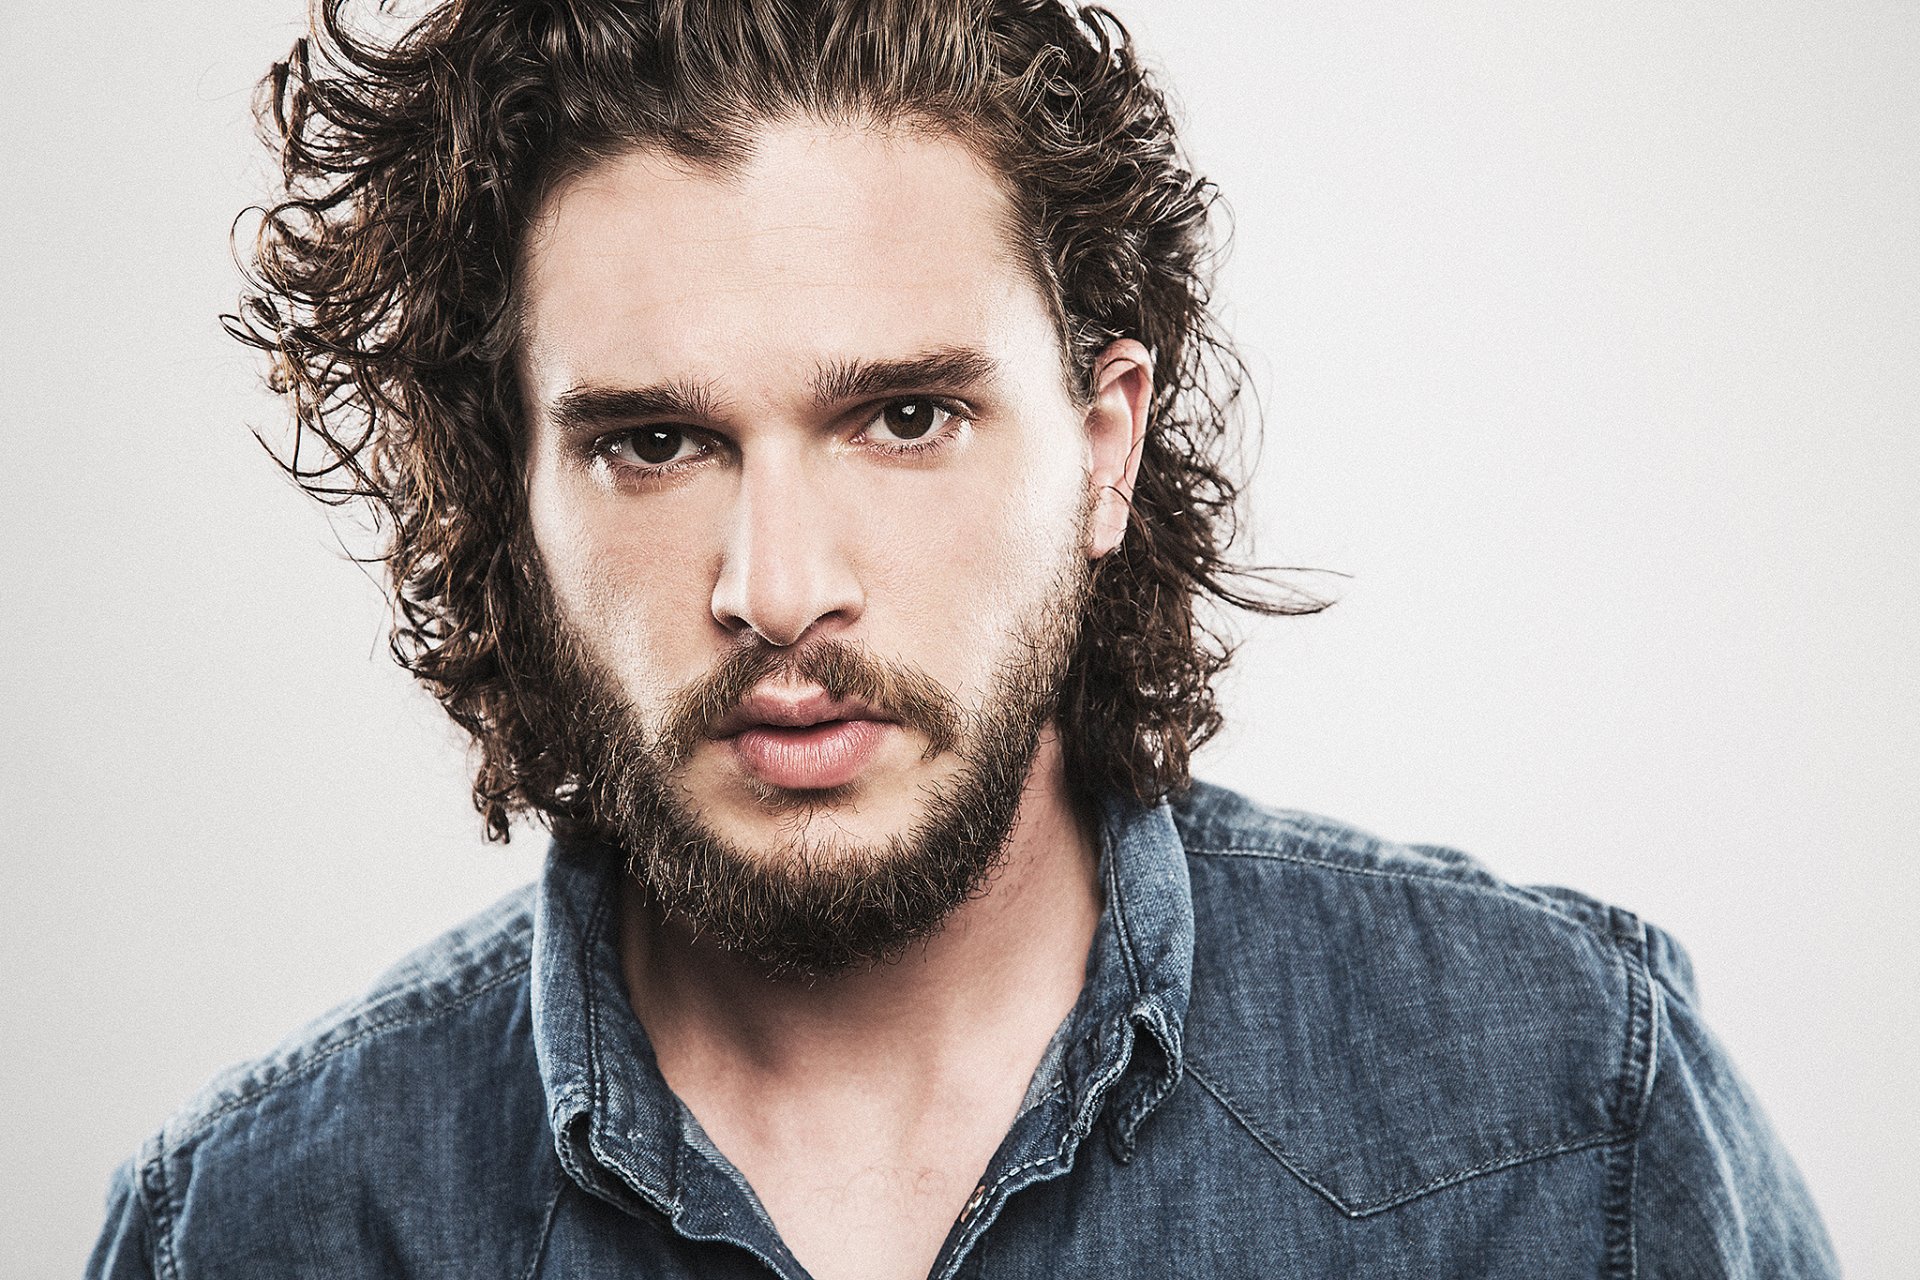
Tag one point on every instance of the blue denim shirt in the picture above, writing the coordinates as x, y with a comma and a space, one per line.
1300, 1051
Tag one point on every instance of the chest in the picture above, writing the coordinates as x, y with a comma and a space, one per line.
879, 1222
863, 1195
1189, 1203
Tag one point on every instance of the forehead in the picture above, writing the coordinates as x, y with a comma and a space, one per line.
826, 242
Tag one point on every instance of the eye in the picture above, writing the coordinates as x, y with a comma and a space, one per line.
911, 418
648, 448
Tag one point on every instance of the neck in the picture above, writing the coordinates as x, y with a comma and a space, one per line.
1002, 973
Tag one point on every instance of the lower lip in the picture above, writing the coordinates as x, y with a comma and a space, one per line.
814, 758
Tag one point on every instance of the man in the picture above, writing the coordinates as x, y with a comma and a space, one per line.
798, 427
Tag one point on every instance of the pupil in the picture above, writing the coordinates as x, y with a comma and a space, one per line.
910, 419
656, 444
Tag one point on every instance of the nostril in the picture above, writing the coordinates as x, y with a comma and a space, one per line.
785, 572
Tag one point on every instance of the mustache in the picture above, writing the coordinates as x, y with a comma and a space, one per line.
843, 669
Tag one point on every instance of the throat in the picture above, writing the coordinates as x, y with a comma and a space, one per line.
864, 1108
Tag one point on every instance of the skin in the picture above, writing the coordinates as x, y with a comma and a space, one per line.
862, 1109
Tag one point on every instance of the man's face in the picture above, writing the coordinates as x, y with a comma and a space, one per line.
805, 416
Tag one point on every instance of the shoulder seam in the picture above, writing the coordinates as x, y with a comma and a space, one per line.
1639, 1056
287, 1075
1490, 889
150, 1183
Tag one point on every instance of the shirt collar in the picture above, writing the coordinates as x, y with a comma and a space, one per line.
616, 1125
1139, 977
622, 1134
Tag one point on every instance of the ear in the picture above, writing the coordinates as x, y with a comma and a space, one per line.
1116, 426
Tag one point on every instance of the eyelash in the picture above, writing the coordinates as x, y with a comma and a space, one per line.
602, 450
958, 415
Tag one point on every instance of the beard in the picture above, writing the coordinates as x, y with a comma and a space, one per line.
807, 905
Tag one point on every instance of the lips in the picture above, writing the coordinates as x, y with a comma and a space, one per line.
803, 741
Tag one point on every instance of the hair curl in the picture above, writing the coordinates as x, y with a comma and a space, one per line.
381, 283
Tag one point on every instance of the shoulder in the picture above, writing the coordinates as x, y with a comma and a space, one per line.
1343, 885
436, 993
1396, 1019
408, 1094
1217, 823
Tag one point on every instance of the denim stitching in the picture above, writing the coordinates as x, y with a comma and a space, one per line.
1129, 961
1001, 1181
1080, 1125
1425, 877
1392, 1199
597, 1086
588, 936
1078, 1129
546, 1229
1150, 1095
158, 1198
307, 1066
1649, 1008
596, 1079
1635, 1088
961, 1254
1272, 1148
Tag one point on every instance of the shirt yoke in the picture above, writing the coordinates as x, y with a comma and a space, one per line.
1386, 1021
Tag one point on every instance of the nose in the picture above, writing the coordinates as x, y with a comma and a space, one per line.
784, 571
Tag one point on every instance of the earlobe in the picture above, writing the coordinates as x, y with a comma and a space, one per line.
1116, 433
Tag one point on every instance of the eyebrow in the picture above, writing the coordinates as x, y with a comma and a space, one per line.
953, 368
590, 407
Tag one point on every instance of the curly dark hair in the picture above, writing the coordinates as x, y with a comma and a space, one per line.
382, 283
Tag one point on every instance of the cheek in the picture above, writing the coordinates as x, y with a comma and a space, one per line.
961, 564
626, 592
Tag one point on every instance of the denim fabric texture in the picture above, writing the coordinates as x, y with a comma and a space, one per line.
1300, 1051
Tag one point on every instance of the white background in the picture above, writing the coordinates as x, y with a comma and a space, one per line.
1588, 337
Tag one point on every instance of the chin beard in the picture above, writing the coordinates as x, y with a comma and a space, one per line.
812, 907
808, 907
